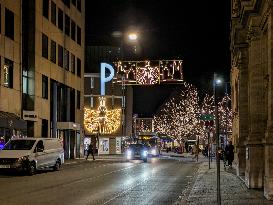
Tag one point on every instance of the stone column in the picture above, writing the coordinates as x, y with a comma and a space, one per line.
268, 178
242, 98
254, 145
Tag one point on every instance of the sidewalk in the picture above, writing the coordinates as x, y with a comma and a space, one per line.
233, 189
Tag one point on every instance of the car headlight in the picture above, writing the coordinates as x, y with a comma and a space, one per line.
129, 153
153, 152
145, 153
21, 159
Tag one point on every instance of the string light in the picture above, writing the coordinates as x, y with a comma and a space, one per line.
148, 72
102, 120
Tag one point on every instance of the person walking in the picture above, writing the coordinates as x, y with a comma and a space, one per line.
229, 151
90, 151
195, 152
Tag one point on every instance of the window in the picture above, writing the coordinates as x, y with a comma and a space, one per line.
44, 46
78, 99
44, 87
67, 3
45, 8
78, 67
79, 5
73, 30
53, 51
74, 2
79, 35
60, 19
53, 12
0, 18
66, 59
67, 25
44, 128
60, 56
9, 23
8, 73
72, 63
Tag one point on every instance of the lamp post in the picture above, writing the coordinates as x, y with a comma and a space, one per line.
125, 37
215, 83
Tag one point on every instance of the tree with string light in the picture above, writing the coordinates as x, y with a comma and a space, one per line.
179, 115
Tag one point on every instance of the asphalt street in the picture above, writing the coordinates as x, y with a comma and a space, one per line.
160, 181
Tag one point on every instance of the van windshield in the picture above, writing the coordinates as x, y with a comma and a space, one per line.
19, 145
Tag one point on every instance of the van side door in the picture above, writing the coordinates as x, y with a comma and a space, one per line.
40, 155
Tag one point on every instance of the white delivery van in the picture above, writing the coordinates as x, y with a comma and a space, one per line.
31, 154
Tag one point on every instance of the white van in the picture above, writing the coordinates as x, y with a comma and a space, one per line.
31, 154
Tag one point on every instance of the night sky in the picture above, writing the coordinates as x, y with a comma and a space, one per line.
195, 31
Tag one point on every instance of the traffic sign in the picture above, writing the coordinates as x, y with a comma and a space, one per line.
207, 117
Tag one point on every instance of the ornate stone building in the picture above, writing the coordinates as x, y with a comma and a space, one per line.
252, 91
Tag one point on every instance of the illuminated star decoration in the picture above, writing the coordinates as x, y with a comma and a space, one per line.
102, 121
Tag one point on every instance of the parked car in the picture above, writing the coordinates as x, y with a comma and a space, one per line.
31, 154
137, 151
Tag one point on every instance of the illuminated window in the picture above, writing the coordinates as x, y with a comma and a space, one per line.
8, 73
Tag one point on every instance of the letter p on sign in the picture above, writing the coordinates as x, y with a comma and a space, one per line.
104, 79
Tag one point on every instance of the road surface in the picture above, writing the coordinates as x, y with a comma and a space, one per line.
160, 181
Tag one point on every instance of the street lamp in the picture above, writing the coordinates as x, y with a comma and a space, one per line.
125, 37
217, 82
132, 36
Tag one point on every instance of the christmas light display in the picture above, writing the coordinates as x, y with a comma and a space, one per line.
225, 115
102, 121
148, 72
147, 75
143, 125
179, 116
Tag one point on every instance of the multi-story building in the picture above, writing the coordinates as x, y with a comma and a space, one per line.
11, 122
43, 55
251, 74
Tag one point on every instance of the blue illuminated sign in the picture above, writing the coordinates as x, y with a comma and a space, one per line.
104, 79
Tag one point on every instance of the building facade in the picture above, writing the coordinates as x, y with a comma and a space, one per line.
42, 79
107, 118
252, 91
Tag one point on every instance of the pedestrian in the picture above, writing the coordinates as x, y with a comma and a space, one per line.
229, 151
90, 151
195, 152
